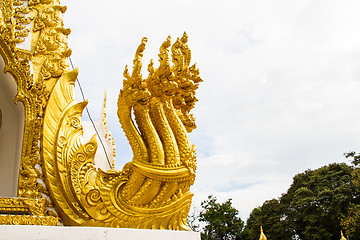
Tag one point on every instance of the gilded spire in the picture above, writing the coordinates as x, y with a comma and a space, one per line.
342, 236
262, 235
107, 135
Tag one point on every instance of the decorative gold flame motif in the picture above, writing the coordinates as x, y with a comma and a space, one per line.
151, 191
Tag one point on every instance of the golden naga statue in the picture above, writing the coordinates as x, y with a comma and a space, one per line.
58, 179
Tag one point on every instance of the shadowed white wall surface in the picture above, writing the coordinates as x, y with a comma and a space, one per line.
11, 134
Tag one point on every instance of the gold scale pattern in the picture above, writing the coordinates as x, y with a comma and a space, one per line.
151, 191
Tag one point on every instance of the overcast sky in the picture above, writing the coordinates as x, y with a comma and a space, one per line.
281, 83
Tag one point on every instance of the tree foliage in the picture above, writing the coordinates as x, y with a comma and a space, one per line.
310, 209
351, 222
221, 220
317, 199
318, 205
271, 216
253, 223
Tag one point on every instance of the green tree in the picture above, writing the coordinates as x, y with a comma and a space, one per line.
351, 222
311, 208
221, 220
251, 230
317, 199
271, 216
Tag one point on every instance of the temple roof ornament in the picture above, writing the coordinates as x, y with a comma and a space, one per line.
58, 179
342, 236
262, 235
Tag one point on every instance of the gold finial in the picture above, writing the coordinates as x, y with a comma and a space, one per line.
262, 235
342, 236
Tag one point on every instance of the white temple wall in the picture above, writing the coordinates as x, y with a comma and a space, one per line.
91, 233
11, 134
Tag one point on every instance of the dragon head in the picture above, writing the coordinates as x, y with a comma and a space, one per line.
161, 82
187, 79
135, 90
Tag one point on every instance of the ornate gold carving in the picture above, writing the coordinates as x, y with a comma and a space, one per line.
49, 42
23, 205
28, 220
151, 191
33, 95
52, 40
48, 16
25, 211
14, 21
